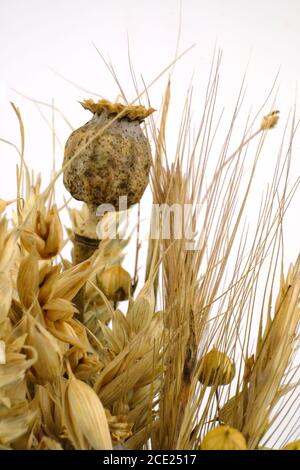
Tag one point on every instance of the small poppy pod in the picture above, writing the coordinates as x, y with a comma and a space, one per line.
216, 369
224, 438
115, 283
111, 163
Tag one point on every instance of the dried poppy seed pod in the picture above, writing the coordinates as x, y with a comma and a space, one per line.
224, 438
115, 163
107, 158
216, 369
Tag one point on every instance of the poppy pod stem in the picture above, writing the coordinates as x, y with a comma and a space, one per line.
84, 248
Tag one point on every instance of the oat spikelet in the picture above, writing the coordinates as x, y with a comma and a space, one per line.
8, 254
49, 401
15, 424
28, 279
46, 235
141, 311
46, 443
115, 283
69, 282
2, 352
85, 417
59, 309
6, 292
48, 366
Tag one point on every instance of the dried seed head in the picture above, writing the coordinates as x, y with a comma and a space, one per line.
4, 204
59, 309
8, 246
16, 424
46, 443
30, 240
54, 234
50, 408
292, 446
6, 293
28, 279
216, 369
120, 427
231, 411
46, 236
85, 417
70, 331
140, 313
18, 359
249, 364
115, 283
48, 277
49, 363
70, 281
85, 366
112, 163
224, 438
2, 352
8, 266
270, 121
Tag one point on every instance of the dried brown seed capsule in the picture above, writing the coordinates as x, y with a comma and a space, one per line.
115, 163
115, 283
216, 369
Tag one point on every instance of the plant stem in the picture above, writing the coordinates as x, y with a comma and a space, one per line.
84, 247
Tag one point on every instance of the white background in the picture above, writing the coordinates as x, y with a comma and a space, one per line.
38, 37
